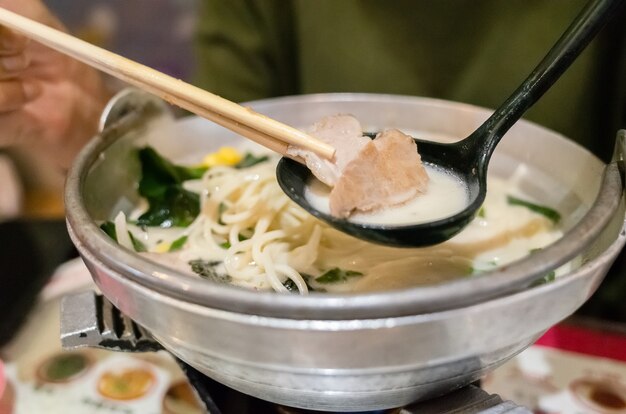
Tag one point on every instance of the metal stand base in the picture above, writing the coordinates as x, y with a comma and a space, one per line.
90, 320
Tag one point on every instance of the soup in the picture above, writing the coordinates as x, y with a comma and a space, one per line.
229, 222
445, 196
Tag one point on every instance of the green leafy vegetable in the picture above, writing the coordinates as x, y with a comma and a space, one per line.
109, 228
227, 245
170, 205
176, 208
336, 275
250, 159
206, 269
548, 212
481, 212
157, 172
550, 277
137, 244
291, 286
178, 244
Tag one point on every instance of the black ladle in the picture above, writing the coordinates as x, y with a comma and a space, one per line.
469, 158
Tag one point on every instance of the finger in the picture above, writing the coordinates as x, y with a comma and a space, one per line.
11, 43
11, 66
15, 94
13, 128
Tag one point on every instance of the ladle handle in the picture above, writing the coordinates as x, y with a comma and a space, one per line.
577, 36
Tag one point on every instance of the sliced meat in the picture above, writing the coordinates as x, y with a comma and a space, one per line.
344, 133
387, 171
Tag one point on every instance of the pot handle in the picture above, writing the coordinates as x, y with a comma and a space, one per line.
131, 100
619, 153
90, 320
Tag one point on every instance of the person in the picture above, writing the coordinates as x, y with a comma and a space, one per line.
474, 51
46, 99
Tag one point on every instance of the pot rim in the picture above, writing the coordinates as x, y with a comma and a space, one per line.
412, 301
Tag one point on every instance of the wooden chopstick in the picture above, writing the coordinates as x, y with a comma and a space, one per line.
254, 135
264, 130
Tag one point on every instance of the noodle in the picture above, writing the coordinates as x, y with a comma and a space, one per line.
264, 241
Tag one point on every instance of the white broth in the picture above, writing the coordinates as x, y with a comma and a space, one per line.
250, 234
445, 196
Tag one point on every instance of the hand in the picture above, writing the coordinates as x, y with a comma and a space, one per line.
46, 98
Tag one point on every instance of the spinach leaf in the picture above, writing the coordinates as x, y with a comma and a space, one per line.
178, 244
550, 277
158, 172
177, 207
109, 228
336, 275
170, 205
250, 159
137, 244
291, 286
206, 270
547, 212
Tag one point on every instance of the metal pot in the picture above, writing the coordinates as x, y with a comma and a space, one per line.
348, 352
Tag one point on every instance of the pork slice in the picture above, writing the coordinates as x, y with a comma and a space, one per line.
387, 171
344, 133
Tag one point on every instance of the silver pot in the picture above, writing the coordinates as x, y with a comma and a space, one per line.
348, 352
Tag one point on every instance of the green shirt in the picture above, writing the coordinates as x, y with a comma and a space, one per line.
474, 51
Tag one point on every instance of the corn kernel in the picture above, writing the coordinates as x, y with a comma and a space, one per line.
210, 160
226, 156
229, 155
163, 247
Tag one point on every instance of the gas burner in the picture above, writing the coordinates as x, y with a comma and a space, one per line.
91, 320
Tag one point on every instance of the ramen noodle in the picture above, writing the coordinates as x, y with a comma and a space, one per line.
249, 234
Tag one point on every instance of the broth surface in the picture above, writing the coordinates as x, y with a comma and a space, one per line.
249, 234
445, 196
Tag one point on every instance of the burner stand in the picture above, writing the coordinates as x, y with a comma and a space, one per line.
90, 320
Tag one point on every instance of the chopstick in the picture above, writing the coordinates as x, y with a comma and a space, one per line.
266, 131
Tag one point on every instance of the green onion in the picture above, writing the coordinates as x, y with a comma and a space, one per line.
547, 212
336, 275
250, 159
178, 244
481, 212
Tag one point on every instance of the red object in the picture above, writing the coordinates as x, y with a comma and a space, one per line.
7, 393
585, 341
3, 381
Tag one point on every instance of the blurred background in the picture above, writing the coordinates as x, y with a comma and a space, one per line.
128, 28
160, 34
